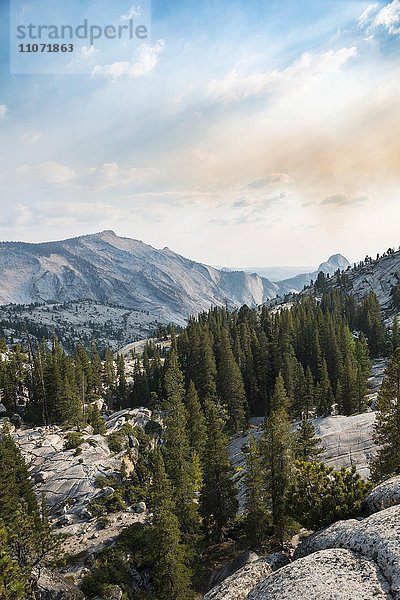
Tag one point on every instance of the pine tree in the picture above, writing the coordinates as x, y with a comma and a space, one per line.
25, 533
122, 387
363, 366
280, 399
14, 580
178, 455
387, 428
319, 495
196, 421
306, 444
324, 395
396, 334
310, 393
16, 486
276, 451
218, 501
230, 385
257, 516
95, 419
171, 575
96, 370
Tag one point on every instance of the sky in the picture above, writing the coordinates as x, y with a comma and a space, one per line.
243, 133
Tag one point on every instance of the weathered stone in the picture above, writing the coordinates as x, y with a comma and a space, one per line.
329, 575
383, 496
106, 492
236, 564
376, 538
238, 585
41, 477
140, 508
66, 520
53, 587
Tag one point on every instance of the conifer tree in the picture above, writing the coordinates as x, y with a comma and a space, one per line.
363, 366
195, 420
280, 399
14, 580
306, 444
96, 370
122, 387
16, 485
218, 501
230, 384
387, 428
319, 495
309, 394
324, 395
25, 534
170, 557
178, 455
95, 419
257, 516
396, 334
276, 451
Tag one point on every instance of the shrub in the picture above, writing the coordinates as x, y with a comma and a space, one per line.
73, 440
319, 495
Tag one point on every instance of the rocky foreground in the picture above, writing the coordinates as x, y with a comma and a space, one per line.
354, 559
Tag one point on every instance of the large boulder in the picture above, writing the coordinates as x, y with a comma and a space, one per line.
376, 538
330, 574
238, 585
236, 564
51, 586
383, 496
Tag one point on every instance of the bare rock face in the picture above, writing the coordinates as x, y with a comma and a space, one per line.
53, 587
238, 585
68, 477
383, 496
376, 538
330, 574
357, 559
237, 563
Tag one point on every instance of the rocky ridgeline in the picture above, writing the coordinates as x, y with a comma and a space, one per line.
358, 559
68, 477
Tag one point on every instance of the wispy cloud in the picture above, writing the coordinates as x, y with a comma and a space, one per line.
366, 16
270, 179
147, 60
235, 86
102, 177
389, 18
346, 199
3, 111
386, 18
133, 13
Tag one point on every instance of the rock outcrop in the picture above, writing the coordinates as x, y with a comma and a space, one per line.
383, 496
329, 575
68, 477
51, 586
238, 585
357, 559
376, 538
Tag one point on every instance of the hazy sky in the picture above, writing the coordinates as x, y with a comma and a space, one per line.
247, 132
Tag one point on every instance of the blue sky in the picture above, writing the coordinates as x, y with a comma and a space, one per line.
243, 133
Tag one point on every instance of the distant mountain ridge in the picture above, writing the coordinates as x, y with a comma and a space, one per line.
378, 275
297, 283
106, 268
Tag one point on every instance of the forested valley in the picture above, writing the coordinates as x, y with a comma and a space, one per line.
289, 365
